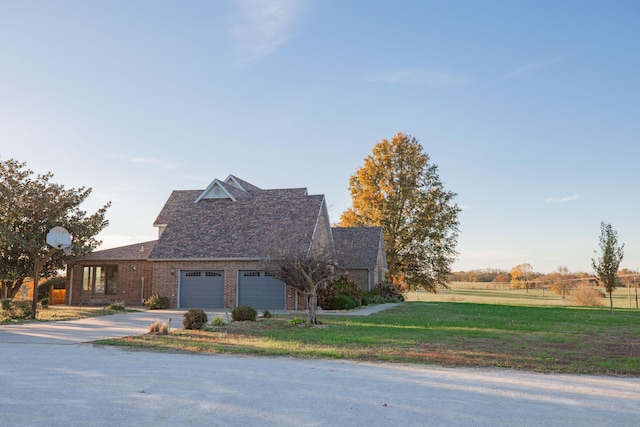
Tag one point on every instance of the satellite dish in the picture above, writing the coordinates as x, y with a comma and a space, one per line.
59, 238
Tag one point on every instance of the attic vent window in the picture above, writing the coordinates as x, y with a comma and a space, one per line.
252, 274
217, 191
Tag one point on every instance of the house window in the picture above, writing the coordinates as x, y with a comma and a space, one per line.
100, 280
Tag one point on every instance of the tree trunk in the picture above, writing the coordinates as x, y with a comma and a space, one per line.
11, 288
312, 305
611, 301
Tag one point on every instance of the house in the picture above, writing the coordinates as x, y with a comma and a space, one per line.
213, 246
360, 252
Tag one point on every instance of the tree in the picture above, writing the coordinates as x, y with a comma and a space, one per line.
521, 275
305, 272
29, 208
560, 281
606, 266
399, 190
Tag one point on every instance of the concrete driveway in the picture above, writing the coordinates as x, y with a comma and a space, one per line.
50, 379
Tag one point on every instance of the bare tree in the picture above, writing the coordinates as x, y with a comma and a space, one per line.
306, 273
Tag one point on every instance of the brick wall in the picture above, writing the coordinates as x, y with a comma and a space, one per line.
129, 289
166, 274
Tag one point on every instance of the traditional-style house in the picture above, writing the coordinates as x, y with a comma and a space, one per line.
212, 249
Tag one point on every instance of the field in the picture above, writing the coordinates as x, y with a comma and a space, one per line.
490, 293
459, 327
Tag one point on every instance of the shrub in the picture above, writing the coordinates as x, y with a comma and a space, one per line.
342, 286
586, 296
155, 302
297, 321
21, 310
373, 298
195, 318
389, 292
218, 321
116, 306
6, 304
342, 302
267, 314
44, 303
159, 328
244, 312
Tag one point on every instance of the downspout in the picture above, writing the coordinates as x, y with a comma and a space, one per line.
142, 291
369, 280
71, 287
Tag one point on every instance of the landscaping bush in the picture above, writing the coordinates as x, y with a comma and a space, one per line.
342, 286
342, 302
44, 303
218, 321
6, 304
21, 310
116, 306
373, 298
155, 302
195, 318
159, 328
244, 312
586, 296
389, 292
267, 314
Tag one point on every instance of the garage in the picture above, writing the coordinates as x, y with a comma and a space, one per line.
260, 290
201, 289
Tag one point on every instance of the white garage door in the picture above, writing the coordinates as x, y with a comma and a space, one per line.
260, 290
201, 289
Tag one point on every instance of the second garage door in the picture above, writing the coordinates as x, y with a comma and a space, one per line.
260, 290
201, 289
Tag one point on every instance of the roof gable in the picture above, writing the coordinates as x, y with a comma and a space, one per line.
215, 190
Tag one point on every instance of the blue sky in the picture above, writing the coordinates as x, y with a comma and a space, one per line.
530, 109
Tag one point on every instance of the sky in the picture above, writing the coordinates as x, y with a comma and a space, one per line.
530, 109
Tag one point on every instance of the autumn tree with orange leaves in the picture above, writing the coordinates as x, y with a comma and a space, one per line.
399, 189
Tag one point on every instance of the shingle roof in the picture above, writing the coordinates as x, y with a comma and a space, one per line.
250, 227
357, 247
130, 252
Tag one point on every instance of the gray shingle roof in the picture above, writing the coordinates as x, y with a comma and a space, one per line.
357, 247
130, 252
251, 227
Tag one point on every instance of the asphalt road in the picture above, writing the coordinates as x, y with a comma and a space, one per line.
49, 381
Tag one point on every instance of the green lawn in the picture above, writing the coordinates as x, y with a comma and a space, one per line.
545, 339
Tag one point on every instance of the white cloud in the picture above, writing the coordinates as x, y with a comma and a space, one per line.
532, 66
152, 161
421, 76
561, 199
264, 26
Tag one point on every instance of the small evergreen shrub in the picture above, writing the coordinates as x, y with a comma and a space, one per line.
267, 314
244, 312
6, 304
373, 298
21, 310
341, 286
342, 302
116, 306
156, 302
195, 318
44, 303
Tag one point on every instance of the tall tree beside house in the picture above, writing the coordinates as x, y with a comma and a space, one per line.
29, 208
607, 264
399, 189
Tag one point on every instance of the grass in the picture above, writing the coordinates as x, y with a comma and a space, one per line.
60, 312
537, 338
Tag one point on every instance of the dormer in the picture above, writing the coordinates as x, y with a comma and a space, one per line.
215, 190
